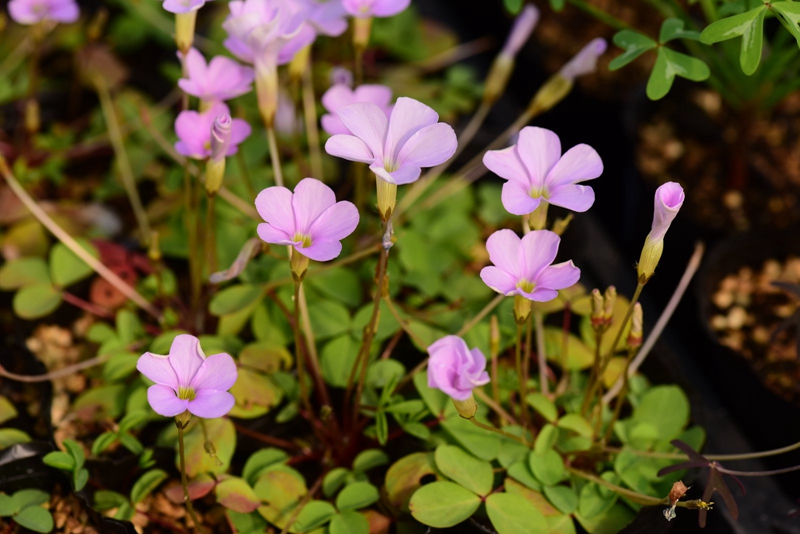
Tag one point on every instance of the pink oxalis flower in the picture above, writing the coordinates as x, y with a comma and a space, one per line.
182, 6
398, 147
187, 380
668, 201
35, 11
523, 266
325, 17
585, 61
309, 219
340, 96
375, 8
455, 369
194, 132
221, 79
537, 172
268, 32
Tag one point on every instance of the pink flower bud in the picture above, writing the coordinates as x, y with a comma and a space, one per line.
668, 201
221, 136
341, 76
585, 61
455, 369
521, 31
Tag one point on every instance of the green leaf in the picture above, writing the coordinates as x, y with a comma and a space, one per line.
261, 460
328, 319
512, 514
513, 6
577, 424
545, 440
36, 301
562, 497
125, 512
59, 460
435, 399
106, 500
76, 451
382, 372
356, 496
521, 472
29, 497
634, 43
235, 298
548, 468
102, 442
281, 488
543, 406
614, 520
337, 358
349, 523
131, 443
314, 514
80, 477
593, 501
789, 15
557, 5
35, 518
23, 272
65, 267
120, 366
405, 476
368, 459
7, 505
12, 436
334, 480
672, 28
223, 435
479, 442
340, 283
7, 410
103, 401
666, 408
670, 64
235, 494
443, 504
464, 469
146, 484
129, 327
750, 25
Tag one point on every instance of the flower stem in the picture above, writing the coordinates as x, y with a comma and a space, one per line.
523, 389
541, 353
620, 399
124, 164
298, 349
88, 307
311, 347
712, 457
211, 233
480, 316
73, 245
184, 483
495, 405
312, 130
498, 431
274, 155
587, 397
190, 218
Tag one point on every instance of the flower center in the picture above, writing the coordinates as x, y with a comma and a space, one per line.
526, 286
539, 192
305, 240
186, 393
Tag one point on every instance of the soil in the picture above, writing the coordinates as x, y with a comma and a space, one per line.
759, 320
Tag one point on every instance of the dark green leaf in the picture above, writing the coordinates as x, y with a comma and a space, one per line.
146, 484
80, 477
512, 514
36, 300
349, 522
750, 26
513, 6
29, 497
635, 44
464, 469
670, 64
557, 5
235, 298
106, 500
59, 460
672, 28
334, 480
131, 443
23, 272
65, 267
261, 460
313, 515
368, 459
35, 518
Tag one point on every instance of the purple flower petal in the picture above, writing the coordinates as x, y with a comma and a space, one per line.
559, 276
274, 205
430, 146
539, 294
389, 8
577, 198
165, 401
521, 31
182, 6
454, 369
379, 95
507, 164
210, 403
335, 223
333, 125
499, 280
158, 369
408, 117
540, 150
579, 163
186, 357
367, 122
517, 200
349, 147
276, 236
218, 371
339, 96
539, 249
321, 250
311, 199
668, 201
504, 248
404, 175
240, 130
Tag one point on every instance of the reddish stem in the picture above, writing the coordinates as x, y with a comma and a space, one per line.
86, 306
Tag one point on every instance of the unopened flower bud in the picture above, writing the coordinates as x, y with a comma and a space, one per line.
184, 30
668, 201
610, 301
220, 142
521, 31
597, 308
585, 61
635, 335
299, 265
341, 76
362, 27
522, 309
561, 225
387, 198
182, 420
154, 250
466, 408
550, 93
503, 65
32, 116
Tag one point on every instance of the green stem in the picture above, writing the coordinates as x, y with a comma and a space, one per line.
541, 353
245, 173
601, 15
211, 232
712, 457
311, 345
480, 316
587, 397
190, 218
498, 431
623, 393
312, 130
523, 387
298, 350
275, 156
184, 483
